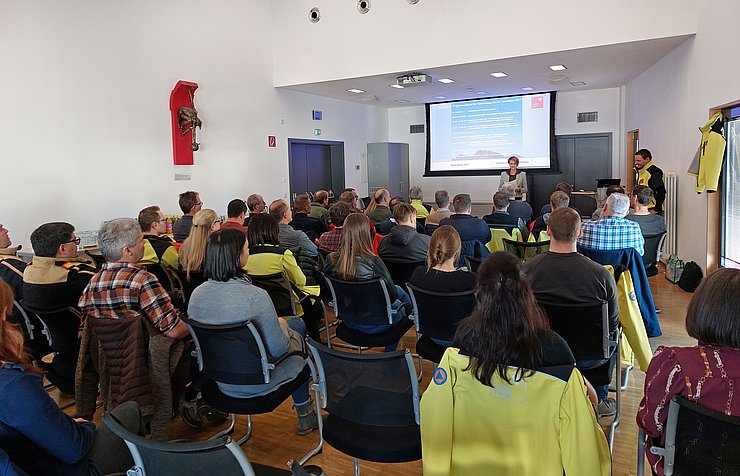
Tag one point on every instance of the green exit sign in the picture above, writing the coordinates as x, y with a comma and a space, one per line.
317, 132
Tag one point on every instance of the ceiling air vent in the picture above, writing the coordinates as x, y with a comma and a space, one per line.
588, 116
416, 129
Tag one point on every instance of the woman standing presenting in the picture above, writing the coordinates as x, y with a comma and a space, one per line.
514, 175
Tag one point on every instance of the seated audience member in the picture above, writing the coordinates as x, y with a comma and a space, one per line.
312, 227
256, 205
355, 260
500, 217
612, 231
650, 223
609, 190
267, 256
416, 196
442, 200
190, 204
350, 198
473, 231
563, 276
403, 242
518, 208
557, 200
236, 213
440, 274
360, 204
507, 386
290, 238
158, 247
385, 226
11, 267
329, 241
37, 436
228, 297
320, 206
379, 208
193, 249
56, 276
567, 189
707, 373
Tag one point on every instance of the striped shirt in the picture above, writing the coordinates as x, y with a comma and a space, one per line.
121, 290
612, 233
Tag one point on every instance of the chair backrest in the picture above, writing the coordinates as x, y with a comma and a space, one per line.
280, 290
361, 302
401, 271
703, 439
177, 287
188, 285
525, 250
473, 263
61, 327
34, 334
438, 314
496, 242
653, 247
585, 327
158, 271
369, 389
152, 458
430, 227
230, 353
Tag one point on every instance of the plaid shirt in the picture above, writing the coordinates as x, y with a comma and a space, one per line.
121, 290
329, 241
612, 233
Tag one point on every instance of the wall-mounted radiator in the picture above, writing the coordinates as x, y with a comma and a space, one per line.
671, 211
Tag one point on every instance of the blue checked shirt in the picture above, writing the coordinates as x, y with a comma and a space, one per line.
612, 233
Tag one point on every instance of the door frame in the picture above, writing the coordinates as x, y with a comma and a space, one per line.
632, 138
336, 154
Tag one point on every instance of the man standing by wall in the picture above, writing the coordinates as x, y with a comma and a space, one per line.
650, 175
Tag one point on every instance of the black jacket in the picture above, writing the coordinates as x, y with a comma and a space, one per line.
312, 227
404, 243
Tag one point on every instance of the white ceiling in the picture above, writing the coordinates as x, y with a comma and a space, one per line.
599, 67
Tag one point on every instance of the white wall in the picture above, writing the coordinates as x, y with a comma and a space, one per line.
670, 100
605, 101
85, 93
396, 37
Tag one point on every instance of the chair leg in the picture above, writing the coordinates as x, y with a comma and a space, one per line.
248, 434
227, 431
625, 379
357, 467
640, 453
615, 423
319, 447
421, 366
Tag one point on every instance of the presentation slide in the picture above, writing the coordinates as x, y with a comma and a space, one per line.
481, 134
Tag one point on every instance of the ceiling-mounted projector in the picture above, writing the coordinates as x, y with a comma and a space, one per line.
413, 79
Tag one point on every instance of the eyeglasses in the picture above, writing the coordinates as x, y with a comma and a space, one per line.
199, 204
76, 241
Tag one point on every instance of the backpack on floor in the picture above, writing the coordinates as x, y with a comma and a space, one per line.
691, 277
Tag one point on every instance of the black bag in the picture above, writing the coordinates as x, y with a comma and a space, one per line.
691, 277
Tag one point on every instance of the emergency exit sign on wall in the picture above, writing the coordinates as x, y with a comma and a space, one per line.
271, 141
317, 132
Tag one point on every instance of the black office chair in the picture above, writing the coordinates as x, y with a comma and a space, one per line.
34, 334
697, 441
651, 256
372, 401
401, 271
430, 227
473, 264
366, 303
525, 250
62, 327
585, 327
437, 316
216, 456
177, 287
189, 284
235, 354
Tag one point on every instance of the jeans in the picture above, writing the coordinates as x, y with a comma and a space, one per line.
602, 391
300, 395
402, 298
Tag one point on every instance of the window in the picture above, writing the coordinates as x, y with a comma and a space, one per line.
730, 217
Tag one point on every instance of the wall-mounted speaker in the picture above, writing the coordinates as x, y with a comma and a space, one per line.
314, 15
363, 6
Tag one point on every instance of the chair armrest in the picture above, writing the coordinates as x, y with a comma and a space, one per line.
276, 362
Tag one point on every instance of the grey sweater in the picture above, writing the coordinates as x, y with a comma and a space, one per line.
237, 300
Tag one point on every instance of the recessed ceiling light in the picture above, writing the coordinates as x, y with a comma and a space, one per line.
577, 83
397, 86
527, 88
400, 100
446, 80
499, 74
481, 92
356, 91
440, 97
558, 67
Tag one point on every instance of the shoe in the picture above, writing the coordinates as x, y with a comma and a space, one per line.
607, 407
307, 419
214, 417
658, 310
188, 410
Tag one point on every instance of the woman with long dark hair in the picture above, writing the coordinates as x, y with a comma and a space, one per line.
510, 385
37, 436
228, 297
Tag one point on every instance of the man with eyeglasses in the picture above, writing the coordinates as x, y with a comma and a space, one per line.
190, 204
57, 275
158, 247
256, 205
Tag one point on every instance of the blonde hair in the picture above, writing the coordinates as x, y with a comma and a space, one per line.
355, 242
445, 244
193, 249
377, 198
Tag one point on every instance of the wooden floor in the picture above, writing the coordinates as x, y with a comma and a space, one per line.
274, 440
